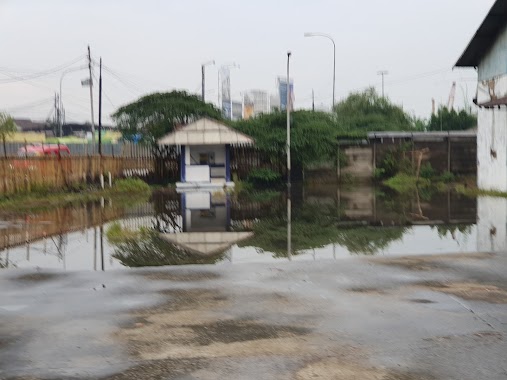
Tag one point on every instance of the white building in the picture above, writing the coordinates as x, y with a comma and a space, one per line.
488, 53
205, 153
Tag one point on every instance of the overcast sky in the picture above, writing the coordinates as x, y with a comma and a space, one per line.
155, 45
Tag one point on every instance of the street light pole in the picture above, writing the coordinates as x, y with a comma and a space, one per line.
289, 201
62, 114
288, 118
334, 58
203, 73
383, 73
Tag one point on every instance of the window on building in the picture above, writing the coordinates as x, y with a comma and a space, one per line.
207, 158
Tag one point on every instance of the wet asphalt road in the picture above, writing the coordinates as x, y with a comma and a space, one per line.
431, 317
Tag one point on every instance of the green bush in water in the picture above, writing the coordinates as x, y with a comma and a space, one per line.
131, 185
427, 171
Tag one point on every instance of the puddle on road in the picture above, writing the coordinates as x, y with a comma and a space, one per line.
328, 223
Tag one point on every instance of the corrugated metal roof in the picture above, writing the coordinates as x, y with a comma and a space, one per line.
485, 36
206, 132
415, 135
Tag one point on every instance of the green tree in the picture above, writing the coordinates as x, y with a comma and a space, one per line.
7, 128
451, 120
153, 116
313, 134
368, 111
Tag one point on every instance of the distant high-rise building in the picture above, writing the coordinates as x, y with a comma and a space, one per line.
282, 91
274, 102
257, 102
237, 110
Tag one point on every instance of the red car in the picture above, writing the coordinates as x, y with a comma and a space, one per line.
25, 156
40, 150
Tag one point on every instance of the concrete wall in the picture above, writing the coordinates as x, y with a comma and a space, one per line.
359, 162
494, 62
491, 149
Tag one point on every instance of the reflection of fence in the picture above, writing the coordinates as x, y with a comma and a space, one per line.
55, 222
27, 174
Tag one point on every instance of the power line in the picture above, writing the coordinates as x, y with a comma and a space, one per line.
27, 77
30, 105
103, 92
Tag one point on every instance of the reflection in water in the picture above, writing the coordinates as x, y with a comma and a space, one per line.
321, 222
148, 248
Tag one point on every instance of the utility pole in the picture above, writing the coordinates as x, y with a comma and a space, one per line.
91, 96
203, 76
100, 109
313, 101
383, 73
56, 123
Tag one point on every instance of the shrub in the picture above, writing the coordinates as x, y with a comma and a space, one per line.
447, 177
427, 171
394, 162
264, 177
131, 185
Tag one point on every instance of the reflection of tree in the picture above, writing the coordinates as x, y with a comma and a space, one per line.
315, 226
149, 249
369, 240
167, 212
443, 230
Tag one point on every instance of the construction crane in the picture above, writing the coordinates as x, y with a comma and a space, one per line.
452, 94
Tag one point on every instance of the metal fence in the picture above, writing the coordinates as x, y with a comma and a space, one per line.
121, 149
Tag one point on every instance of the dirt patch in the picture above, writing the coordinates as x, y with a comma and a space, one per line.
368, 291
481, 336
240, 331
39, 277
470, 291
199, 323
160, 369
421, 300
426, 263
180, 276
331, 369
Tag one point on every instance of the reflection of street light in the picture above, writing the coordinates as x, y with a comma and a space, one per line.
222, 69
334, 57
60, 126
203, 66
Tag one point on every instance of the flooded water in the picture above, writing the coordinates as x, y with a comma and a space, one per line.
327, 222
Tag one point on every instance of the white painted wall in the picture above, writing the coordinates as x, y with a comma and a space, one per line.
494, 63
197, 173
491, 224
198, 201
492, 136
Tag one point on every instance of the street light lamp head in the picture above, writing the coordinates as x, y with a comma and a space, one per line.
289, 53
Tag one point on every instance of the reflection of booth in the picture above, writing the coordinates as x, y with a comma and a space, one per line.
205, 153
206, 223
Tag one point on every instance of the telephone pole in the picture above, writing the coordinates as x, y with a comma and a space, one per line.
91, 96
100, 112
313, 101
383, 73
